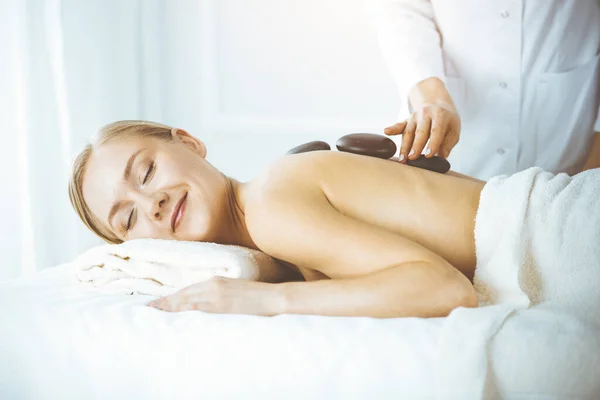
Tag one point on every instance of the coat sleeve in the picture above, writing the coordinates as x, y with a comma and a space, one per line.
410, 42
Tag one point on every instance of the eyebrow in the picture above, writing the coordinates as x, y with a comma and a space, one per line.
126, 173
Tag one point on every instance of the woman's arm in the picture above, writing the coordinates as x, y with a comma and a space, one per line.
412, 289
407, 290
374, 272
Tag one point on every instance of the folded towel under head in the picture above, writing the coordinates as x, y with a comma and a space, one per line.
161, 267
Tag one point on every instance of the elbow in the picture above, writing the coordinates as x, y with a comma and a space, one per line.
462, 295
469, 298
452, 294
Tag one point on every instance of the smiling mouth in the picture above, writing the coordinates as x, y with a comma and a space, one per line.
178, 212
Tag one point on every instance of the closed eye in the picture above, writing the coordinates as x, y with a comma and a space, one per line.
149, 172
128, 227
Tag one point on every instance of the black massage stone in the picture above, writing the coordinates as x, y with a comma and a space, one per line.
310, 146
369, 144
435, 164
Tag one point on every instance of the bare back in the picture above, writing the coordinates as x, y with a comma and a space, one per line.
434, 210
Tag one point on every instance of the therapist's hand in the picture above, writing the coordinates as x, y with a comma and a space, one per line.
434, 119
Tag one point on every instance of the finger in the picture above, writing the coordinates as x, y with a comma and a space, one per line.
159, 306
436, 136
421, 137
189, 306
395, 129
444, 152
156, 303
171, 302
407, 139
448, 144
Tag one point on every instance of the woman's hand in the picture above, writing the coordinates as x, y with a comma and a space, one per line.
225, 296
434, 118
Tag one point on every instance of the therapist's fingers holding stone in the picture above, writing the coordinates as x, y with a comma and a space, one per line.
450, 140
439, 129
421, 137
408, 138
451, 137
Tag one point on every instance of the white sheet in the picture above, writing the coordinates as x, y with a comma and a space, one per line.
59, 341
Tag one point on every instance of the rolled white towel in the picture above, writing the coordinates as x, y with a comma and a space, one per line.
161, 267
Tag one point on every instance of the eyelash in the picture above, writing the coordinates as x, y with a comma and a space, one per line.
128, 227
151, 168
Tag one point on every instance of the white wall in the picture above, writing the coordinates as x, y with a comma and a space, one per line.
266, 75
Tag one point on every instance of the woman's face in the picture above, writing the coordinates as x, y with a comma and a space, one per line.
144, 187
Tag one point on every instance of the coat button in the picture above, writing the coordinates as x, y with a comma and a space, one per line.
503, 85
500, 150
504, 14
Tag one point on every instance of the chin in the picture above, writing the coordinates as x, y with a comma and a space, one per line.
204, 218
195, 236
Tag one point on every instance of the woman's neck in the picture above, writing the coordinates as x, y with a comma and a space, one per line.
236, 231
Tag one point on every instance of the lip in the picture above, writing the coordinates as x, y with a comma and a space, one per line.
178, 212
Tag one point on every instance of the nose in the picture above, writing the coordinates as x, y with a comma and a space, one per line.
153, 204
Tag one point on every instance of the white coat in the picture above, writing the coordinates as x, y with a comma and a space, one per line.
524, 74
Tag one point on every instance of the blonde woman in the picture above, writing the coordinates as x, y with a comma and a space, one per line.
356, 236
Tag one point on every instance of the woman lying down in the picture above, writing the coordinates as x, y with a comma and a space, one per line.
355, 235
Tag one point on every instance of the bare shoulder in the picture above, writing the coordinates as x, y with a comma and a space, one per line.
291, 169
288, 180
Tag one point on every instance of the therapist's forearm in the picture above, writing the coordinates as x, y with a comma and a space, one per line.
410, 290
430, 90
593, 160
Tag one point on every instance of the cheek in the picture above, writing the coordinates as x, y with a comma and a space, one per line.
207, 212
144, 229
204, 217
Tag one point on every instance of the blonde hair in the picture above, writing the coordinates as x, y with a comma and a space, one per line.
119, 130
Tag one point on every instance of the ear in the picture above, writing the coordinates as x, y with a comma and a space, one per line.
190, 141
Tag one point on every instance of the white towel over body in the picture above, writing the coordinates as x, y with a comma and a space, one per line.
538, 270
537, 240
161, 267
